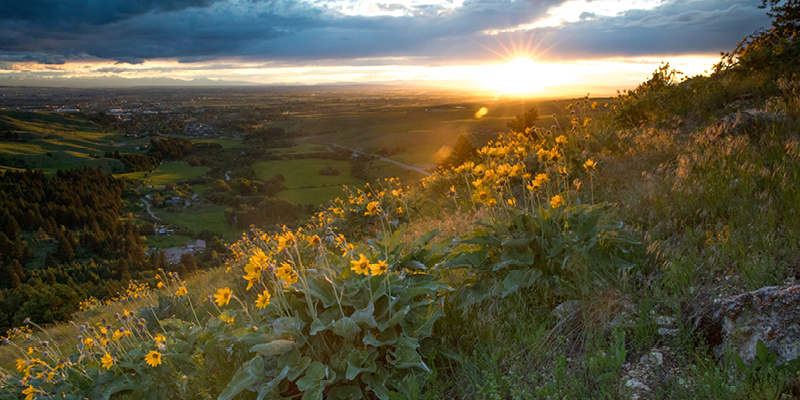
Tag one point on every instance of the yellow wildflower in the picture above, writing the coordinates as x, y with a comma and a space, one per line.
561, 140
159, 338
372, 208
557, 201
21, 364
285, 241
153, 358
360, 266
314, 240
263, 300
181, 291
589, 165
107, 361
223, 297
88, 343
30, 393
379, 268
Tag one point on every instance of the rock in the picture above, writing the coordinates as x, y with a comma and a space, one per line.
656, 357
739, 122
668, 332
770, 314
566, 310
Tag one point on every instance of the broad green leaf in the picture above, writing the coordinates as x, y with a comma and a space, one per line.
365, 317
317, 377
520, 279
345, 327
406, 355
396, 318
469, 295
242, 379
291, 325
264, 389
516, 243
360, 361
275, 347
322, 290
426, 329
317, 326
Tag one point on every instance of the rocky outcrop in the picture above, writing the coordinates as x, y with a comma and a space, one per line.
741, 122
770, 314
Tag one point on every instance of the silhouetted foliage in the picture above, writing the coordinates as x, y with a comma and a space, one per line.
521, 123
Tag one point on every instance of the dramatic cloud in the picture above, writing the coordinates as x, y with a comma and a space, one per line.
347, 32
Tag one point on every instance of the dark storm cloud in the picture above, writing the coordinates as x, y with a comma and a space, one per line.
289, 31
92, 12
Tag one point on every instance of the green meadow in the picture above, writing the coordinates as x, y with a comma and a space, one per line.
304, 183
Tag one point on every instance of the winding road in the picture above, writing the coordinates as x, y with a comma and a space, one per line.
147, 204
404, 166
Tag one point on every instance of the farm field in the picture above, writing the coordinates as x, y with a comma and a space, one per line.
304, 183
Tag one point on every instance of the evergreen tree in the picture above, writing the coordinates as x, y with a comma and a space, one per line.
122, 269
65, 252
522, 122
463, 151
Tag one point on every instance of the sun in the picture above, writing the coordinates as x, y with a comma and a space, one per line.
519, 76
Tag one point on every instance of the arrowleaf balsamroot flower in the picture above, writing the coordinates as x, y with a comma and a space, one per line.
589, 165
223, 296
372, 208
107, 361
556, 201
263, 300
379, 268
181, 291
285, 241
153, 358
360, 266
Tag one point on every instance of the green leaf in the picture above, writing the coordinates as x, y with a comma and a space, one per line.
518, 243
322, 290
520, 279
762, 351
279, 346
317, 377
119, 387
360, 361
509, 259
426, 329
396, 318
249, 375
288, 325
266, 388
469, 295
406, 355
317, 326
347, 393
414, 265
346, 327
365, 317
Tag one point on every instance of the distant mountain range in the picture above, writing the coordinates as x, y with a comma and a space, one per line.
119, 82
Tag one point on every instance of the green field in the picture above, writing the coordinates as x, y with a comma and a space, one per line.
304, 183
174, 172
209, 217
53, 141
164, 241
226, 143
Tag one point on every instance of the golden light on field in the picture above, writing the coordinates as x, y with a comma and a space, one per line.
480, 113
519, 76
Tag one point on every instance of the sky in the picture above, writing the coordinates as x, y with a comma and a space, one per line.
506, 46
